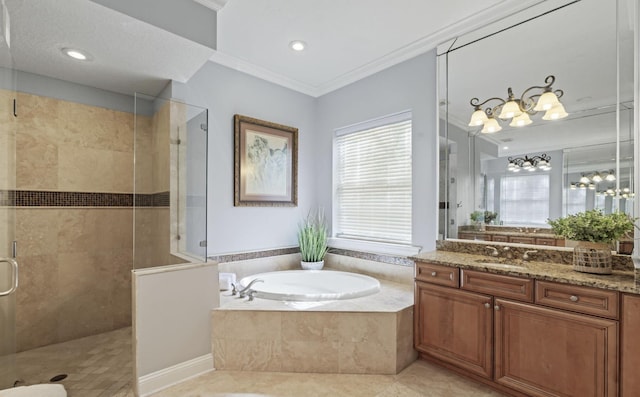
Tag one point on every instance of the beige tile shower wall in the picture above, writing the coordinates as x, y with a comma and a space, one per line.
7, 141
75, 262
178, 174
68, 146
75, 275
153, 234
152, 238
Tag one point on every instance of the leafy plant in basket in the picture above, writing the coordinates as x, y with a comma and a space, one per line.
593, 226
595, 231
312, 237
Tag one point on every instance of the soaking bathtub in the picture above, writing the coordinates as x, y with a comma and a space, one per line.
310, 285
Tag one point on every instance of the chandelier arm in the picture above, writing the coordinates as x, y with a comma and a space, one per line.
475, 104
549, 80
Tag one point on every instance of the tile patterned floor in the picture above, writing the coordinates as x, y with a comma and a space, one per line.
97, 366
419, 379
101, 366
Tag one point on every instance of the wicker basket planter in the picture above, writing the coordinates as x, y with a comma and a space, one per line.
591, 257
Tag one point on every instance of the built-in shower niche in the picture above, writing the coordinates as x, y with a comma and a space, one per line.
170, 183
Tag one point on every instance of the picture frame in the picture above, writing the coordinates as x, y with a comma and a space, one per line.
265, 163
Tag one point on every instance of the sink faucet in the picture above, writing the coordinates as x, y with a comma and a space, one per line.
247, 290
494, 250
508, 252
527, 253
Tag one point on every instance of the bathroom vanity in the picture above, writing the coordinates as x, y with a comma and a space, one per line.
528, 328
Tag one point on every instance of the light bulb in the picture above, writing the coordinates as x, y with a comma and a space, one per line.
557, 112
521, 121
546, 101
491, 126
509, 110
478, 118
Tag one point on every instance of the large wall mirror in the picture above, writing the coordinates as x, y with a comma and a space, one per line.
500, 181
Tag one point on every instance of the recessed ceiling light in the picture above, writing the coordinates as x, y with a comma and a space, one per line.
505, 147
297, 45
76, 54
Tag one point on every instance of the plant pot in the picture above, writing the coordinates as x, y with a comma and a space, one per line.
311, 265
591, 257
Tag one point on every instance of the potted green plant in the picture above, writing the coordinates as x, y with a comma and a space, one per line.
312, 238
477, 217
595, 231
490, 216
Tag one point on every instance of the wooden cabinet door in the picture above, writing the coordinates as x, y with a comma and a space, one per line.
454, 326
546, 352
630, 346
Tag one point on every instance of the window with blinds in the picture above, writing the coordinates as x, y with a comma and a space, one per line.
373, 180
524, 199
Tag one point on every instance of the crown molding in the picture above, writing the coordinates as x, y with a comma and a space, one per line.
492, 14
215, 5
262, 73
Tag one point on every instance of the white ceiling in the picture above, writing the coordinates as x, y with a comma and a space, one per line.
128, 55
347, 40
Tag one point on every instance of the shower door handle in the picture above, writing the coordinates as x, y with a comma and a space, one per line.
14, 276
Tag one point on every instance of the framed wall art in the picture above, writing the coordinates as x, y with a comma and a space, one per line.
265, 162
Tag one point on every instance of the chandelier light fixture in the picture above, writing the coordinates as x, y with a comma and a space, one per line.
589, 179
542, 162
533, 100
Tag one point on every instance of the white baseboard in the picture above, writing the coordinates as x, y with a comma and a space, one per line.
175, 374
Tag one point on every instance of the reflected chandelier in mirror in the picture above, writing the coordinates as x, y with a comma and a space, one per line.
519, 110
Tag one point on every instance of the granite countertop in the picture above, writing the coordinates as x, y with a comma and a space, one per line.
620, 280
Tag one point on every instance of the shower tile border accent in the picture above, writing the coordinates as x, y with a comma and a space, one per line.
243, 256
36, 198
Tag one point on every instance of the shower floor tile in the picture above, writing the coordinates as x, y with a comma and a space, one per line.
96, 366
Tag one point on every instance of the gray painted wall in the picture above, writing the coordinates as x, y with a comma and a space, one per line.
226, 92
410, 85
67, 91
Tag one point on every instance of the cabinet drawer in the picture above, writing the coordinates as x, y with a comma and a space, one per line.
438, 274
545, 241
500, 238
522, 240
598, 302
497, 285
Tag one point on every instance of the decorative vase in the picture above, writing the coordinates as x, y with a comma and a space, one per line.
311, 265
591, 257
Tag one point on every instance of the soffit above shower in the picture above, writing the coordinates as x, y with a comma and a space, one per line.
129, 55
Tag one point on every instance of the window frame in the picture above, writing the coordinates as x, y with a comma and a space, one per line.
361, 244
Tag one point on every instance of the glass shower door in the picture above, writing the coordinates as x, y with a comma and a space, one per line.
8, 266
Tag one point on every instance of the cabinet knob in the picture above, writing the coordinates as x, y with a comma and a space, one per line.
487, 305
574, 298
433, 274
496, 307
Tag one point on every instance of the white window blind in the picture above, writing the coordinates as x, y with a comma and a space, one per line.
373, 180
524, 199
576, 201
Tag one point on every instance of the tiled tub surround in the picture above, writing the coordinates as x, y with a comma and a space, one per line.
369, 335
